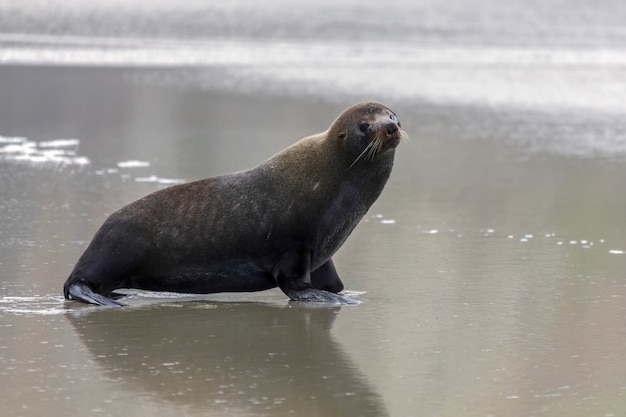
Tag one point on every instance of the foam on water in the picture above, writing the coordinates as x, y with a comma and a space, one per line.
63, 152
59, 143
55, 152
133, 164
159, 180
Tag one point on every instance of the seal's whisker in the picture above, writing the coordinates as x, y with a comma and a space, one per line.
360, 155
371, 150
377, 145
404, 136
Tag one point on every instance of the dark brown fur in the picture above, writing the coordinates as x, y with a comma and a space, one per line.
274, 225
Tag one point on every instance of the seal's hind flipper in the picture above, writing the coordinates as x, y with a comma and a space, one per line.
82, 292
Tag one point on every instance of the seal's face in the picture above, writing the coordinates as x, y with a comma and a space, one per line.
369, 130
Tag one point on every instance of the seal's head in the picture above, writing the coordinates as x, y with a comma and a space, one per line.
367, 130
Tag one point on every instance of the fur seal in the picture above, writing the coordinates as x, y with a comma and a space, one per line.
277, 224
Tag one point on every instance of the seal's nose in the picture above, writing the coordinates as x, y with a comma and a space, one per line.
390, 128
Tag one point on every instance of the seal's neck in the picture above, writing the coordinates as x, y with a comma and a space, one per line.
370, 176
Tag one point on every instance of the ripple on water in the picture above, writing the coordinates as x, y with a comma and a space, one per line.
33, 305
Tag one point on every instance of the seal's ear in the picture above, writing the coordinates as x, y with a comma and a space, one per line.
343, 134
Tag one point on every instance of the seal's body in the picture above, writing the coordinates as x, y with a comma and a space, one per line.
274, 225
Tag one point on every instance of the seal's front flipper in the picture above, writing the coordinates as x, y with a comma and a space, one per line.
293, 276
319, 296
82, 292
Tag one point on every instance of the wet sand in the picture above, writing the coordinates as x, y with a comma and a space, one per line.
491, 267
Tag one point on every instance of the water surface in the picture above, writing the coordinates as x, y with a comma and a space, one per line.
491, 269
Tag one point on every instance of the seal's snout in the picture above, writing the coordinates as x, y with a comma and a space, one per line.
390, 133
390, 128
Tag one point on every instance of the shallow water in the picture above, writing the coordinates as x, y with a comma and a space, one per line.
527, 54
491, 270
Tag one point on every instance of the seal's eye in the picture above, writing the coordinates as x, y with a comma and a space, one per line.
364, 127
395, 119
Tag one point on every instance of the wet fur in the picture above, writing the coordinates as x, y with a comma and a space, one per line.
274, 225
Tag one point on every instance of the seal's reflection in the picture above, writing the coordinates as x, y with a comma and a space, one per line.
223, 357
